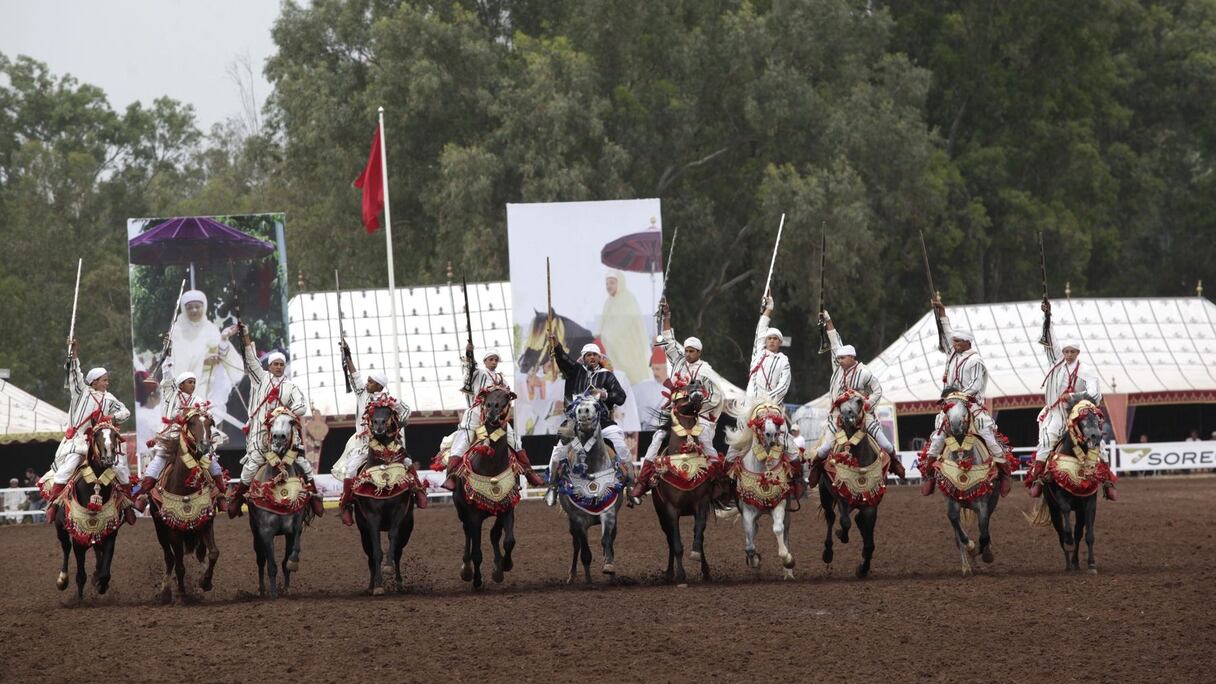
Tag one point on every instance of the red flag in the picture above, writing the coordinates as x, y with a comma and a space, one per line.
372, 183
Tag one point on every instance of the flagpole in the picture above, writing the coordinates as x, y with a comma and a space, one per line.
388, 236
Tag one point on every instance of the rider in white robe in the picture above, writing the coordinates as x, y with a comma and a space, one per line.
369, 390
1068, 379
768, 377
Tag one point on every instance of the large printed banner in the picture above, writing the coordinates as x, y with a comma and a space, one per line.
606, 261
226, 262
1163, 456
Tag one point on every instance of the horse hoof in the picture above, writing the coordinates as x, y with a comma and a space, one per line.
788, 562
478, 585
753, 561
966, 571
827, 570
827, 557
787, 574
862, 571
1093, 571
466, 572
682, 585
843, 536
292, 565
507, 564
972, 548
694, 556
987, 556
61, 582
497, 576
378, 591
609, 569
206, 584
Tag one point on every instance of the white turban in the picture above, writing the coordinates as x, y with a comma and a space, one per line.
693, 342
194, 296
773, 332
1072, 343
94, 375
964, 335
379, 377
182, 377
275, 356
590, 348
489, 353
846, 350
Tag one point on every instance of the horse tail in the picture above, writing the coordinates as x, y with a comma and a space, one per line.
1040, 515
728, 515
190, 542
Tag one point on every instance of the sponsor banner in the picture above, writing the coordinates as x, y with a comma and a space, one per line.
1163, 456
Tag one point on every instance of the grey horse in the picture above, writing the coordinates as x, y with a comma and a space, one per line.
1062, 503
958, 421
266, 524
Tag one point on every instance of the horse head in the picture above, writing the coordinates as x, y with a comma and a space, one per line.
495, 405
767, 424
852, 408
957, 411
381, 419
1086, 424
196, 430
585, 414
104, 441
283, 426
685, 399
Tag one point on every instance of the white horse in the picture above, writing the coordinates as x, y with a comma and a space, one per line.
765, 465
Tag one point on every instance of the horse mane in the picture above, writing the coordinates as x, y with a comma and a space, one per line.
740, 436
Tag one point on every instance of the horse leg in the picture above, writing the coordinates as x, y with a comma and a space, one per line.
472, 531
1078, 534
665, 523
166, 547
1091, 512
704, 511
291, 560
676, 546
867, 518
1070, 538
574, 549
376, 557
508, 540
965, 545
1058, 520
496, 530
81, 576
260, 553
179, 566
846, 522
781, 530
105, 556
985, 516
405, 529
585, 549
266, 539
608, 540
829, 517
466, 566
751, 517
213, 556
289, 541
65, 543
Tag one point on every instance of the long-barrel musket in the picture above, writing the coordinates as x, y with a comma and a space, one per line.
548, 311
1045, 338
658, 314
342, 346
773, 262
941, 332
468, 323
167, 348
825, 343
67, 364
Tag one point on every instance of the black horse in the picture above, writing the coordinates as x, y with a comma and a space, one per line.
488, 486
279, 506
80, 527
384, 496
1084, 434
833, 502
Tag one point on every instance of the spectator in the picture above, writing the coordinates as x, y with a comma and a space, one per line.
36, 502
1144, 439
1213, 436
14, 501
1194, 436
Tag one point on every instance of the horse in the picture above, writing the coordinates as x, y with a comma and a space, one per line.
589, 487
384, 494
765, 468
686, 482
856, 480
487, 485
93, 510
965, 473
570, 334
183, 502
1075, 473
279, 501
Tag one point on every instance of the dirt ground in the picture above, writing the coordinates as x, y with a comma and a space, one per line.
1146, 615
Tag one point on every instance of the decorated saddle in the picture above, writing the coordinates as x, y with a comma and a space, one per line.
279, 486
688, 468
861, 486
386, 474
965, 471
493, 494
192, 511
90, 524
1082, 471
593, 493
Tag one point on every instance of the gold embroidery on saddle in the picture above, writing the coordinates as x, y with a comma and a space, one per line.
91, 527
762, 490
185, 512
385, 477
490, 438
681, 431
682, 470
496, 488
964, 478
106, 478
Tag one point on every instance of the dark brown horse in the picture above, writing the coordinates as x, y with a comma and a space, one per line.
183, 503
91, 516
384, 492
488, 486
856, 476
686, 484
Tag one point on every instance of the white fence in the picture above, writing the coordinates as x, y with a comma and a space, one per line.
1123, 458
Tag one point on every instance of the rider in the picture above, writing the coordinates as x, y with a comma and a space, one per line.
485, 375
367, 391
90, 401
177, 398
268, 390
966, 374
589, 374
687, 367
850, 374
1068, 379
769, 374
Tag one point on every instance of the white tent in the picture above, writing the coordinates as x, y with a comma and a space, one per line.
1154, 350
431, 336
26, 418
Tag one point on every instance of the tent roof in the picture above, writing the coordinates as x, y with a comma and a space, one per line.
1157, 350
26, 418
431, 337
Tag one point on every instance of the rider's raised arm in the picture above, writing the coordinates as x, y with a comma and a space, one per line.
567, 367
671, 348
761, 334
836, 342
253, 366
358, 385
76, 383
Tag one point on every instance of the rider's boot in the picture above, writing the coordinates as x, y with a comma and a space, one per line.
420, 499
530, 475
816, 471
897, 467
237, 499
315, 499
1034, 478
645, 480
344, 503
145, 490
123, 493
928, 481
1108, 491
454, 463
53, 508
1003, 479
